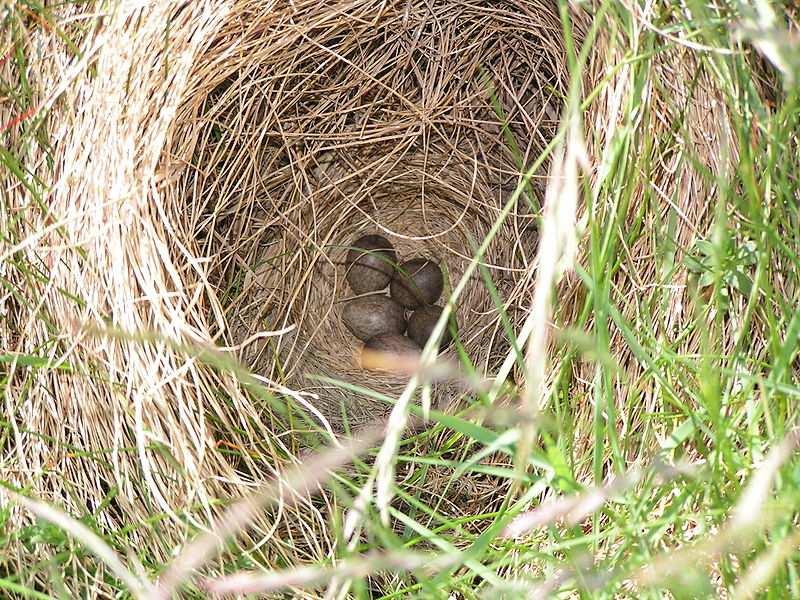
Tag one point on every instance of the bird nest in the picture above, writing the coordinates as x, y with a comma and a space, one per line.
209, 171
411, 120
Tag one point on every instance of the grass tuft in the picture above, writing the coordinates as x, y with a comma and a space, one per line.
621, 415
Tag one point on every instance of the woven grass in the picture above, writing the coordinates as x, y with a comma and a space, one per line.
206, 188
326, 122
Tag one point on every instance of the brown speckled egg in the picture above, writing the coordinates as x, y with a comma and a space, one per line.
416, 282
422, 322
370, 264
378, 353
370, 316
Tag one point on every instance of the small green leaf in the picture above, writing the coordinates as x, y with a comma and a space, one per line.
562, 474
742, 282
705, 248
679, 435
694, 265
706, 279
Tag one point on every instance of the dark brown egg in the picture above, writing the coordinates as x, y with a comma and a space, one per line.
416, 282
422, 322
386, 353
370, 264
373, 315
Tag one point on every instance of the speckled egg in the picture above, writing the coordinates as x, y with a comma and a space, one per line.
370, 264
421, 324
371, 316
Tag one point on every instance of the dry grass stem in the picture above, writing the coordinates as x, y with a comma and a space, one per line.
556, 254
569, 510
136, 585
763, 568
304, 480
738, 532
312, 577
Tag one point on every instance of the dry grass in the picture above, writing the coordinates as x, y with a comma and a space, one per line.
325, 122
208, 165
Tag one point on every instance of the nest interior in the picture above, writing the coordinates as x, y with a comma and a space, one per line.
413, 120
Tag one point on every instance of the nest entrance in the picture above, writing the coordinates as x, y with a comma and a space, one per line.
326, 122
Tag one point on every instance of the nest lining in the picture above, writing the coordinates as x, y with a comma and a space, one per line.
409, 119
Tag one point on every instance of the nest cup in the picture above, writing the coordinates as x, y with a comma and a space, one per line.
409, 120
